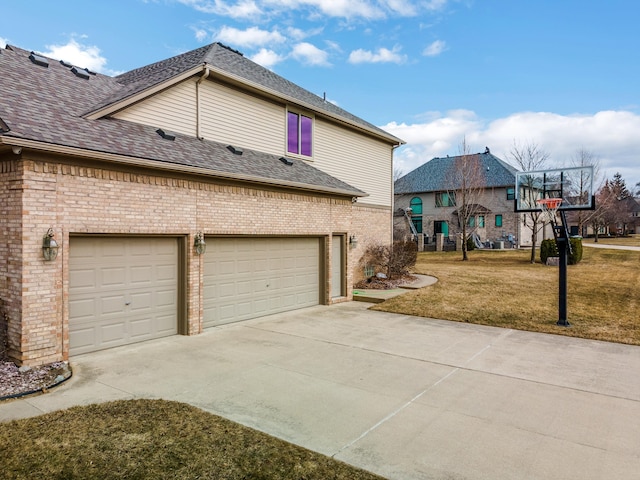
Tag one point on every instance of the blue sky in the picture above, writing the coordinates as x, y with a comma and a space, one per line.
563, 74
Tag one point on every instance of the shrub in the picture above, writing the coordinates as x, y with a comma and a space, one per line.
403, 257
548, 249
471, 245
396, 261
576, 251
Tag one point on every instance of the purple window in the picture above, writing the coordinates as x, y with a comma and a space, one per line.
292, 129
305, 135
299, 134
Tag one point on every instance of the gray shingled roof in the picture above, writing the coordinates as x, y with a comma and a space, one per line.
232, 62
46, 105
437, 175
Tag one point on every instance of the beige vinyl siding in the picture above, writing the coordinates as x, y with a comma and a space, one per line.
242, 120
357, 159
173, 109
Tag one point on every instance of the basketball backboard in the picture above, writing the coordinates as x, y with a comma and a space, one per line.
573, 185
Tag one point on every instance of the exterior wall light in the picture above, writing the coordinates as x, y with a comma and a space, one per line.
49, 246
199, 243
353, 241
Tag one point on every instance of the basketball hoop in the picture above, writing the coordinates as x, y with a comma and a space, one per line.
549, 207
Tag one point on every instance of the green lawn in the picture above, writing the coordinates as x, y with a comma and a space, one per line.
501, 288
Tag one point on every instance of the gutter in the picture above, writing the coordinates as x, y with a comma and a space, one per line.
172, 167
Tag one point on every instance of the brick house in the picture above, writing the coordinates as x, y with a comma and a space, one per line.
129, 175
429, 194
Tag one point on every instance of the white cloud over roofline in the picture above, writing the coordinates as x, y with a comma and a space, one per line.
310, 54
610, 135
267, 58
251, 37
80, 55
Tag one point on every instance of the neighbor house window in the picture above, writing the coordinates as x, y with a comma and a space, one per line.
511, 193
481, 221
440, 226
416, 213
472, 221
299, 134
416, 206
445, 199
498, 220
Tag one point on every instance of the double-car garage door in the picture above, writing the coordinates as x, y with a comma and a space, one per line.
251, 277
124, 289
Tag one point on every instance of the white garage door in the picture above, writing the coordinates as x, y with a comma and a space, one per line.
250, 277
121, 291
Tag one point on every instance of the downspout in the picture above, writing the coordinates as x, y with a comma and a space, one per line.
393, 193
204, 76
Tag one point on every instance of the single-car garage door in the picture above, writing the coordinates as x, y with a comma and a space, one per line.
250, 277
121, 291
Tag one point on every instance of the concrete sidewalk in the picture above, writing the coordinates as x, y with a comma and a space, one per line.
378, 296
402, 396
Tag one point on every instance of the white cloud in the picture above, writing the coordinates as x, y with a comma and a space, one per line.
3, 42
250, 37
435, 49
610, 135
84, 56
348, 9
310, 54
241, 9
267, 58
298, 34
383, 55
201, 35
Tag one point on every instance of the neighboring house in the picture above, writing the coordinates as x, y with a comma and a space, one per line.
125, 173
429, 192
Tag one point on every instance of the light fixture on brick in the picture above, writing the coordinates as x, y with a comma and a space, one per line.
353, 241
199, 243
49, 246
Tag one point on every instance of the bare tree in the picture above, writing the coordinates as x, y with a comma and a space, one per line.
530, 157
397, 173
586, 158
467, 182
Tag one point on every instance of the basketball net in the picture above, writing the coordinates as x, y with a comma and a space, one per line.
549, 208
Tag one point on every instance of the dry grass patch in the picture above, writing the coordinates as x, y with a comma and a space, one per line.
630, 241
501, 288
154, 439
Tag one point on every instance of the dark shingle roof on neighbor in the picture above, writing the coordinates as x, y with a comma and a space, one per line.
438, 174
48, 105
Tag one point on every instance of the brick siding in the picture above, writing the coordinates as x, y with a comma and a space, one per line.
40, 192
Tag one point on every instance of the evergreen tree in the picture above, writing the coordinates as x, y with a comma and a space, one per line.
619, 187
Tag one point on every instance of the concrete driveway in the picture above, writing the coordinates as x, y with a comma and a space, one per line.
402, 396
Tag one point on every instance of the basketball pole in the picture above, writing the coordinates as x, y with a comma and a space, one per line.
564, 248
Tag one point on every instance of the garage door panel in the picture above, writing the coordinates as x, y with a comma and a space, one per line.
112, 276
121, 290
82, 309
112, 304
249, 277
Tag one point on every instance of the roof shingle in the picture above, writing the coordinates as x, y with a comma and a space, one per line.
46, 105
437, 174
